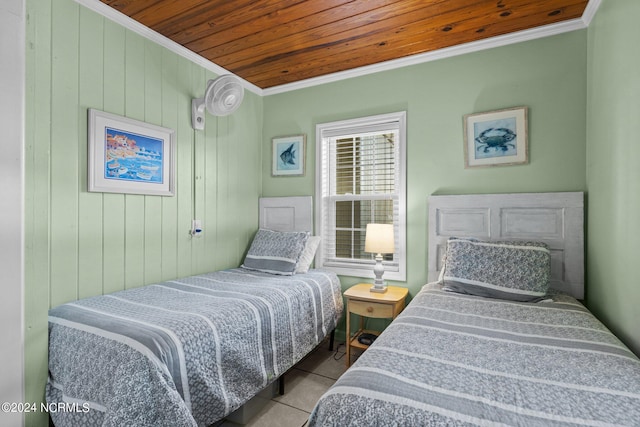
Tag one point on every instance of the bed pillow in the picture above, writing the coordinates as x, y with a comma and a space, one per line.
308, 254
515, 270
275, 252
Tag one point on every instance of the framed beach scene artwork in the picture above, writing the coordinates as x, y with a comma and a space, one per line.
288, 155
496, 138
130, 156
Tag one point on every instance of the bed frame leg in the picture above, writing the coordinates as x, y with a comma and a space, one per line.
281, 385
331, 339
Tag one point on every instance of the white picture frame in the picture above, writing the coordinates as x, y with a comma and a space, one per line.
288, 155
129, 156
496, 138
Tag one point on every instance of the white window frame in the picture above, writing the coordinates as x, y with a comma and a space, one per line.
361, 268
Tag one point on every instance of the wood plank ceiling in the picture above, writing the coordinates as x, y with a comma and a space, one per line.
274, 42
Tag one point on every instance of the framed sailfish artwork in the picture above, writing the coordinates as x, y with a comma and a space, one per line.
288, 155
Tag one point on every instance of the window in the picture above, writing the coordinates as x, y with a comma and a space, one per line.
360, 179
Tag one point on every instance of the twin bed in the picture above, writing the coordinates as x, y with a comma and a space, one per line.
190, 351
453, 357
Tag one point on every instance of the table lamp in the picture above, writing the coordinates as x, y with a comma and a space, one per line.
379, 240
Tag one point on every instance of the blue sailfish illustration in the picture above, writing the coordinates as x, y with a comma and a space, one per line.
288, 156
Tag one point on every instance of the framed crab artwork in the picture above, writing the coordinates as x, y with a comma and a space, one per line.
496, 138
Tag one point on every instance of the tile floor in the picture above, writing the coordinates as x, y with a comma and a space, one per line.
304, 384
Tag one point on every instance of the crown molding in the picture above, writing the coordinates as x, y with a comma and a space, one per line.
507, 39
590, 11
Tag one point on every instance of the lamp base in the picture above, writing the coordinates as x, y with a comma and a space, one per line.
378, 284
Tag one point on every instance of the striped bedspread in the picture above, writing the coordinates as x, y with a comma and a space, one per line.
184, 352
452, 359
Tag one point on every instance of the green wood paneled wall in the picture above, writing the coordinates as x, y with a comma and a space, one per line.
81, 244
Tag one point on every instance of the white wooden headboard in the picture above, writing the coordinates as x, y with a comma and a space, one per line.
554, 218
287, 213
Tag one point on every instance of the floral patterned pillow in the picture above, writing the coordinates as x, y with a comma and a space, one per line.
511, 270
275, 252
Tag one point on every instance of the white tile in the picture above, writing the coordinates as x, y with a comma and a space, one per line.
324, 362
304, 385
276, 414
303, 389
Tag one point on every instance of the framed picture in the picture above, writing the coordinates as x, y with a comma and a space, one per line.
130, 156
496, 138
288, 155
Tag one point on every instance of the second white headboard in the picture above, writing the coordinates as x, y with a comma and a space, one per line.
556, 219
287, 213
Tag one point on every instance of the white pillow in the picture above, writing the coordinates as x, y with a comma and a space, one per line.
308, 253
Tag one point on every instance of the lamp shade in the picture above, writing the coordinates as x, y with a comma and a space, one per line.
379, 239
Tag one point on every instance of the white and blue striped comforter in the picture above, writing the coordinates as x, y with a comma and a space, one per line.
452, 359
184, 352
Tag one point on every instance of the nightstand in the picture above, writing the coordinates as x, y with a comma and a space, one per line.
365, 303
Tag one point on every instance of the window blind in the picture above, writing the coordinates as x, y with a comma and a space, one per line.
360, 183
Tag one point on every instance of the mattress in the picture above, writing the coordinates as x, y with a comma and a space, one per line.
184, 352
453, 359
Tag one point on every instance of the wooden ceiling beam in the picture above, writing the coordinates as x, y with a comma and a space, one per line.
208, 23
132, 7
386, 19
443, 28
274, 42
298, 17
340, 57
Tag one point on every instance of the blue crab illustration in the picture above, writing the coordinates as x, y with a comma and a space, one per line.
496, 138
